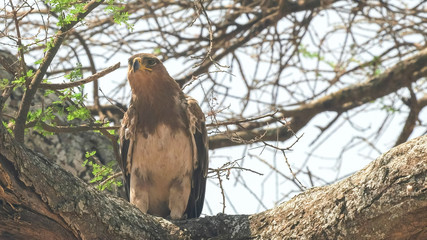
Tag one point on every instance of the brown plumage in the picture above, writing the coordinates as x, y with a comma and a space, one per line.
163, 143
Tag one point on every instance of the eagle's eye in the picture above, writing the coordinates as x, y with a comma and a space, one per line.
151, 62
130, 62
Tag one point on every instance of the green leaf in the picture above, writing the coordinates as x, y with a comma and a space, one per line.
157, 51
4, 83
80, 113
6, 125
49, 44
48, 92
30, 73
377, 72
90, 154
21, 81
76, 74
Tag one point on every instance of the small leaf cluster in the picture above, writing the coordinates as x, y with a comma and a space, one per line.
77, 109
68, 10
4, 83
21, 81
119, 15
101, 173
40, 116
17, 82
105, 124
6, 125
75, 74
69, 104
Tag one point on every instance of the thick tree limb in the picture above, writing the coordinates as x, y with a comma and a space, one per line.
69, 206
385, 200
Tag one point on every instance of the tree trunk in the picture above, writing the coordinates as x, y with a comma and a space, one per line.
385, 200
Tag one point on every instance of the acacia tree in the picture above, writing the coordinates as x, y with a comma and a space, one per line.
282, 63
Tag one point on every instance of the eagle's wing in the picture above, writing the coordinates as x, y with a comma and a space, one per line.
127, 138
198, 130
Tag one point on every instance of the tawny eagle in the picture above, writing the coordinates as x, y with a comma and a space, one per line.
164, 146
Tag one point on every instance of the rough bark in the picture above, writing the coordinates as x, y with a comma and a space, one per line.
385, 200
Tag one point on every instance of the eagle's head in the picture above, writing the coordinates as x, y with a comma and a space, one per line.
144, 70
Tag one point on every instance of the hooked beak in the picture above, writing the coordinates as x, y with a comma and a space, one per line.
137, 65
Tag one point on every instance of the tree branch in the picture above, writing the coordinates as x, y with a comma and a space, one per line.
230, 42
410, 122
58, 86
388, 194
71, 129
39, 74
401, 75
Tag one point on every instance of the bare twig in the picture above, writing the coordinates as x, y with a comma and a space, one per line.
21, 47
222, 191
115, 175
236, 122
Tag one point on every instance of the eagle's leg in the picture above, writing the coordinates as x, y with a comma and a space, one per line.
178, 197
139, 192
